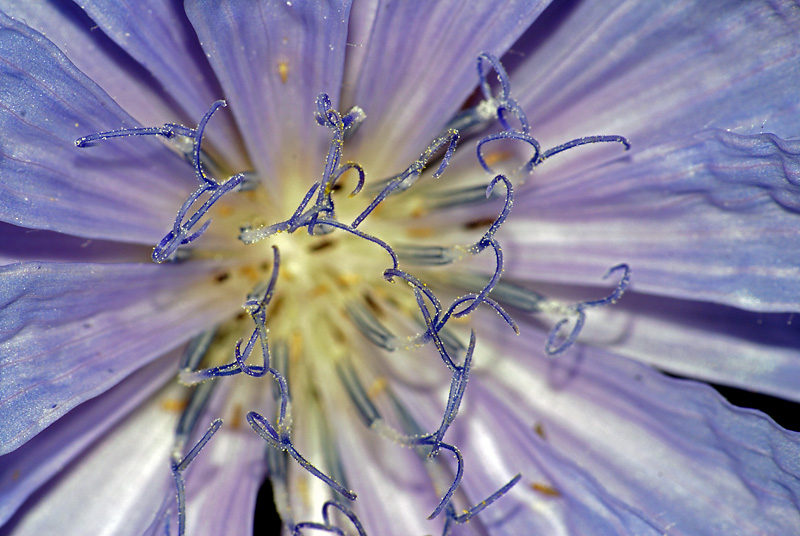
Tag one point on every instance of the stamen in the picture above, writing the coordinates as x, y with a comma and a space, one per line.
371, 327
328, 117
451, 342
461, 196
503, 102
519, 297
432, 333
352, 230
427, 440
583, 141
458, 385
358, 395
510, 135
282, 442
456, 480
257, 309
489, 235
475, 298
279, 436
191, 414
505, 105
181, 233
425, 255
196, 350
327, 525
180, 465
579, 310
452, 518
404, 180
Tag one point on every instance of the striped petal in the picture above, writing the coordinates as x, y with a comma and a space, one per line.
71, 331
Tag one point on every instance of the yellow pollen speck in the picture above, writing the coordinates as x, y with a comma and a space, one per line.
348, 280
418, 212
303, 491
539, 429
236, 418
225, 210
499, 156
419, 232
283, 70
296, 348
250, 273
170, 404
545, 489
319, 290
377, 387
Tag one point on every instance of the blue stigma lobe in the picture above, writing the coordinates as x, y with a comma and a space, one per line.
453, 519
458, 384
579, 309
279, 438
257, 309
407, 178
327, 524
328, 117
504, 106
179, 465
183, 230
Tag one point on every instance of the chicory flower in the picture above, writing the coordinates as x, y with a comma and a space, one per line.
350, 223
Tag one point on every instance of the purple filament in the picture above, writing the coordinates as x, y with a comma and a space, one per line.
182, 233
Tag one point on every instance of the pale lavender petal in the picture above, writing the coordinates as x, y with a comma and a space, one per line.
654, 70
716, 343
711, 217
47, 182
71, 331
420, 67
223, 480
273, 59
24, 471
117, 487
158, 35
623, 447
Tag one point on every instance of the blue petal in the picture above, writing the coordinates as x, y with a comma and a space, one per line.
21, 244
159, 36
653, 70
420, 67
24, 471
712, 217
94, 54
273, 59
71, 331
48, 183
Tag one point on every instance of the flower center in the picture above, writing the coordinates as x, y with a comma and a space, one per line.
333, 276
